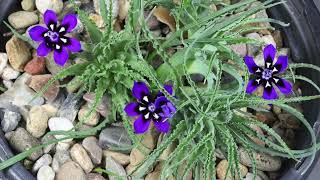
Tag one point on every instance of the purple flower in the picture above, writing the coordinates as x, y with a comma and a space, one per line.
53, 37
267, 76
147, 109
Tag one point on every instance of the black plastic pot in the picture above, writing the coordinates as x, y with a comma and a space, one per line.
303, 38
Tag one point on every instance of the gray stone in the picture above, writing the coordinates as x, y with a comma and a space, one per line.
20, 94
239, 49
114, 137
90, 144
60, 124
250, 176
28, 5
114, 167
91, 120
252, 48
21, 141
45, 173
71, 170
55, 5
264, 162
50, 147
45, 160
37, 123
80, 156
103, 108
95, 176
22, 19
70, 107
7, 83
59, 158
9, 120
3, 61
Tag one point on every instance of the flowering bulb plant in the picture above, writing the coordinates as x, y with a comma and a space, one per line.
54, 37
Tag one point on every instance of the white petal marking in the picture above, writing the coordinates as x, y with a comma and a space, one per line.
274, 69
147, 116
64, 40
258, 70
62, 29
141, 108
45, 34
258, 81
57, 46
146, 98
268, 65
51, 26
276, 80
268, 84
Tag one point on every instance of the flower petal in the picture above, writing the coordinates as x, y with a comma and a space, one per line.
269, 54
36, 33
43, 49
50, 17
140, 125
73, 45
281, 64
169, 88
139, 90
69, 22
162, 100
252, 66
162, 126
131, 109
61, 57
284, 86
252, 85
270, 93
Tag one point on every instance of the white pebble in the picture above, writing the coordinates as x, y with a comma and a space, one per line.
3, 61
45, 173
9, 73
60, 124
55, 5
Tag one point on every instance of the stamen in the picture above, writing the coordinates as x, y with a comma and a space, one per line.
156, 116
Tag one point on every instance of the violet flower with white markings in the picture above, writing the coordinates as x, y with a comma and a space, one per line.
53, 37
267, 76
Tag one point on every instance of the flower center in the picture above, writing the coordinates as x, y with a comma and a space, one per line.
54, 36
267, 74
151, 107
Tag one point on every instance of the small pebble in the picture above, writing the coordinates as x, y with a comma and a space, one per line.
37, 123
45, 173
9, 73
80, 156
28, 5
71, 170
9, 120
90, 144
3, 61
55, 5
91, 120
115, 167
45, 160
18, 19
60, 124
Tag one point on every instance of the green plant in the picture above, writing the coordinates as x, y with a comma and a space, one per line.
114, 60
